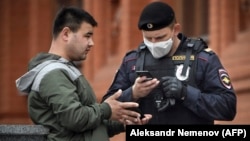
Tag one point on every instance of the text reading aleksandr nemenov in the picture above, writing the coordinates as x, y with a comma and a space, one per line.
179, 132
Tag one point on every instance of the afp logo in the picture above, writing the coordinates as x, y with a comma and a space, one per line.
234, 132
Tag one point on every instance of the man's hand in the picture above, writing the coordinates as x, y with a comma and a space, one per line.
173, 88
120, 110
142, 121
142, 88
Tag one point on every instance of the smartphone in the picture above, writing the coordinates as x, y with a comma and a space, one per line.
145, 73
138, 110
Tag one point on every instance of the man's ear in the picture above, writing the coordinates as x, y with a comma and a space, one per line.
177, 29
65, 33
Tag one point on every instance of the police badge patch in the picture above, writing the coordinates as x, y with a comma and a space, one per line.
178, 72
224, 78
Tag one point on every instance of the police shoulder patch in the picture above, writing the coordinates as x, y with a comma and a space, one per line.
224, 78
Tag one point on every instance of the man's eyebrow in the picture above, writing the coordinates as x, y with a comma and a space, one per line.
163, 35
89, 33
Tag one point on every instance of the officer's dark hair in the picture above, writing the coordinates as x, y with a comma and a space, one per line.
71, 17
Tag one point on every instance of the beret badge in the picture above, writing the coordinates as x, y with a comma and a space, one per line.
149, 25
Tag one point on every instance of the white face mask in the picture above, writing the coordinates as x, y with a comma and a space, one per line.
159, 49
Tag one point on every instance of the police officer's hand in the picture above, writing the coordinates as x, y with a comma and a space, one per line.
120, 110
142, 121
142, 87
173, 88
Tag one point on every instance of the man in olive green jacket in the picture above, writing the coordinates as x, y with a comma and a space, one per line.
59, 96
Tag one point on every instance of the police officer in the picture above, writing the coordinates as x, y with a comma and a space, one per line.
189, 85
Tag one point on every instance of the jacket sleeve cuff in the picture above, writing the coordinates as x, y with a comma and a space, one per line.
126, 95
105, 110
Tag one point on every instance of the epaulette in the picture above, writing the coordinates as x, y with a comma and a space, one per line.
129, 52
131, 55
209, 50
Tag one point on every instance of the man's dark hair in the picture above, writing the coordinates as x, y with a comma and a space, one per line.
71, 17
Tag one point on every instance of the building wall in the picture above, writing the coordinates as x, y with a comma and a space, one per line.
24, 26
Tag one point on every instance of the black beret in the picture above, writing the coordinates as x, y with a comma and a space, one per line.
155, 16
